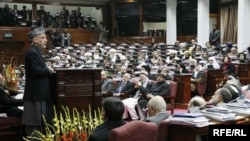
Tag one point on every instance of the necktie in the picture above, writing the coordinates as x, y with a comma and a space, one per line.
120, 88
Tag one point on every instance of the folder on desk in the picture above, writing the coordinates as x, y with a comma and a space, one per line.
219, 116
197, 121
218, 109
244, 104
188, 115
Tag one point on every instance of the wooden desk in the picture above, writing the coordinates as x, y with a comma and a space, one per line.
77, 88
211, 81
243, 69
217, 75
183, 94
183, 132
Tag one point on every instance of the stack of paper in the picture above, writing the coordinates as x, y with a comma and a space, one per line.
240, 108
194, 119
218, 115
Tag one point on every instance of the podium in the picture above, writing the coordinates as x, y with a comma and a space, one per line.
79, 88
183, 94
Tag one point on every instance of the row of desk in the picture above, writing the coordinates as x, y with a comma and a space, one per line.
213, 77
185, 132
82, 87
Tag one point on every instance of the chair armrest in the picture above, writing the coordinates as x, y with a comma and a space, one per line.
168, 96
124, 96
107, 94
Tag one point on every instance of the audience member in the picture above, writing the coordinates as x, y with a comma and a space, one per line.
214, 36
220, 97
131, 102
56, 37
156, 110
21, 76
165, 72
233, 54
155, 58
8, 104
229, 78
147, 69
113, 56
107, 85
198, 76
242, 58
113, 110
228, 65
15, 15
212, 63
65, 39
181, 68
43, 17
160, 87
124, 87
195, 103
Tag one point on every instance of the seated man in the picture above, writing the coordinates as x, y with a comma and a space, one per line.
157, 110
113, 110
139, 89
107, 85
228, 78
8, 104
159, 88
220, 97
125, 86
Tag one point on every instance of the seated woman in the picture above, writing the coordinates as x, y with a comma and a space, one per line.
228, 65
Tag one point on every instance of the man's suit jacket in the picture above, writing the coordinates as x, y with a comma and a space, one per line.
214, 37
101, 133
9, 105
159, 88
128, 88
7, 100
37, 86
107, 85
157, 118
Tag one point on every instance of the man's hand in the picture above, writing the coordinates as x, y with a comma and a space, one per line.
51, 69
149, 96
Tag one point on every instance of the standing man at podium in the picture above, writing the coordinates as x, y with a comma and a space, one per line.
37, 98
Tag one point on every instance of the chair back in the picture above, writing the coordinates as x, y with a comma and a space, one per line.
163, 131
170, 100
134, 131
